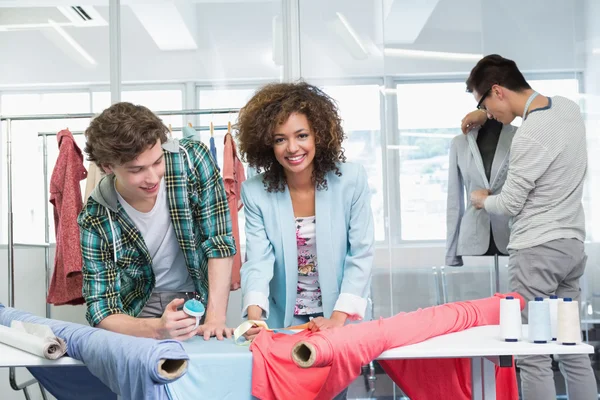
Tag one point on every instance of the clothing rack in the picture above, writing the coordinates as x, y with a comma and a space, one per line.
11, 245
175, 129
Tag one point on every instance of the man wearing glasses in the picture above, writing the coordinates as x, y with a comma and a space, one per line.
542, 194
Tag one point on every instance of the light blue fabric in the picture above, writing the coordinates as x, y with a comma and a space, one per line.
126, 364
218, 370
213, 151
345, 243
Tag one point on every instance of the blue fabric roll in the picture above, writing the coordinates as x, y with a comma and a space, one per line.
127, 365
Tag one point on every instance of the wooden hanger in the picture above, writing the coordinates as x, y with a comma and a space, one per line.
170, 129
190, 124
212, 130
229, 127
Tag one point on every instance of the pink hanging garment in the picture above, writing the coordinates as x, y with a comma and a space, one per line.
233, 177
338, 354
65, 196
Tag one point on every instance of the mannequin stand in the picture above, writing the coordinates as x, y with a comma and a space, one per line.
497, 273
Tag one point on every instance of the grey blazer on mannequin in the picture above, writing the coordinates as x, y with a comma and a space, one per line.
468, 229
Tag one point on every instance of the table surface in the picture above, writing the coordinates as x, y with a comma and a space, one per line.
482, 341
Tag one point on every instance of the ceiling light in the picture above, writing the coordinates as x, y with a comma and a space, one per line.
431, 55
69, 39
349, 37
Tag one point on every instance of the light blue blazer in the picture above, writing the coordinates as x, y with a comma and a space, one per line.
345, 245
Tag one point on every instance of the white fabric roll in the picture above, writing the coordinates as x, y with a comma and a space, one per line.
36, 339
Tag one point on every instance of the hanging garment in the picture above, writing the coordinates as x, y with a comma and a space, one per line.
340, 353
213, 151
191, 133
468, 229
233, 177
133, 368
65, 196
94, 176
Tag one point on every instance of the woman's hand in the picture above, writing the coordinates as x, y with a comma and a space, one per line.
473, 120
254, 314
253, 332
337, 320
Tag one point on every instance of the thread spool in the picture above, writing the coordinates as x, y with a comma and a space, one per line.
569, 327
510, 319
553, 303
539, 321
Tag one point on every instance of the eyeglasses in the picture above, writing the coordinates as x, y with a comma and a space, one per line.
486, 94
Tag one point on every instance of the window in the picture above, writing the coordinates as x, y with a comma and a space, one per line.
221, 98
155, 100
27, 161
429, 116
359, 107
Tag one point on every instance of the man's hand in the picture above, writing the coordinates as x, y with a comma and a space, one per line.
175, 324
473, 120
478, 198
214, 327
337, 320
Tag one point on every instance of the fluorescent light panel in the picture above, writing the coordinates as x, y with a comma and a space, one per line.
352, 32
69, 39
431, 55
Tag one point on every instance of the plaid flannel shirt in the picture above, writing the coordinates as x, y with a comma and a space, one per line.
200, 216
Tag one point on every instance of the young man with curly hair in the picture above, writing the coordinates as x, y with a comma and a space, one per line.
155, 231
309, 224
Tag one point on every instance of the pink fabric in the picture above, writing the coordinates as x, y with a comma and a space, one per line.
437, 378
233, 177
341, 352
65, 196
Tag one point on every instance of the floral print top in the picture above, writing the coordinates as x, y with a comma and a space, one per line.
308, 299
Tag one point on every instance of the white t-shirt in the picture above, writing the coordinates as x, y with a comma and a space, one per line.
168, 262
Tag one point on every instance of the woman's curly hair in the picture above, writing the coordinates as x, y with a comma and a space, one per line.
271, 106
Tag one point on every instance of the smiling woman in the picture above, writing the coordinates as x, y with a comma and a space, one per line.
264, 125
322, 235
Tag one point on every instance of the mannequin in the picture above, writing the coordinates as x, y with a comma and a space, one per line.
478, 160
487, 142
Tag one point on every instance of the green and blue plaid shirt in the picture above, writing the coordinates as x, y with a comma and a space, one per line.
117, 267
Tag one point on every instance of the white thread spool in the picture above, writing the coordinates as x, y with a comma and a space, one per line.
569, 327
553, 303
510, 319
539, 321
